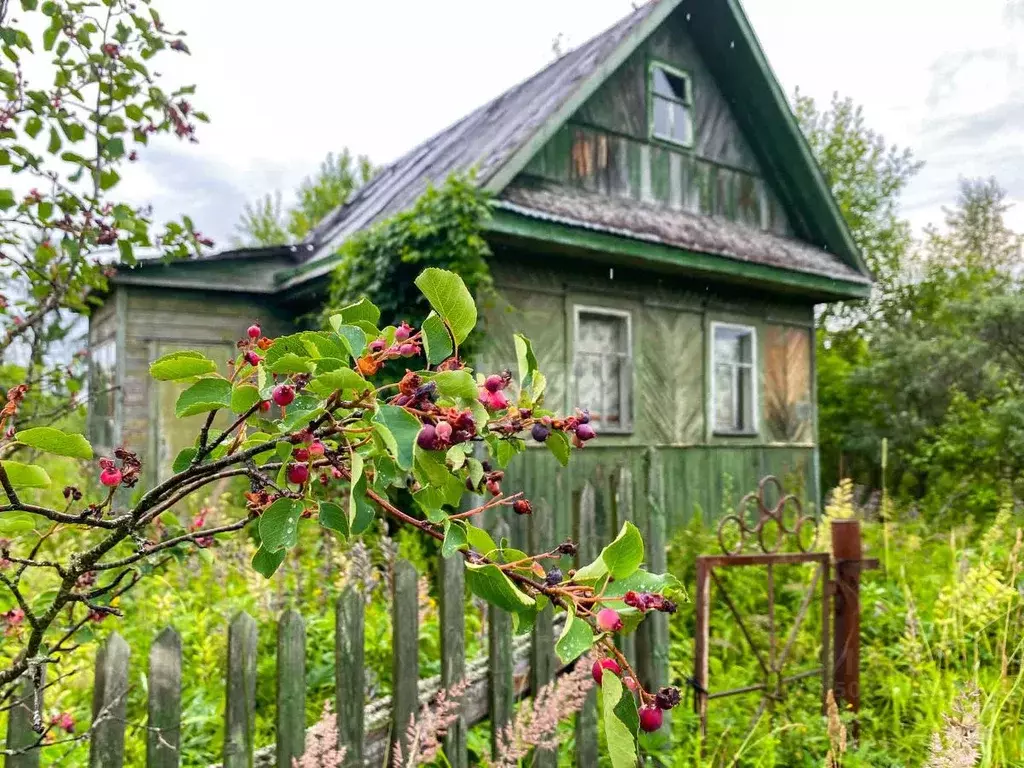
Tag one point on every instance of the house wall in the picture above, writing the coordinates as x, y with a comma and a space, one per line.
671, 318
605, 146
161, 320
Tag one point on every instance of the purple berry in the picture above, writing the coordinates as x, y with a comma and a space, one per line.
494, 383
427, 438
540, 432
585, 432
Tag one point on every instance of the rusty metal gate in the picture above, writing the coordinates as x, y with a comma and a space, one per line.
777, 522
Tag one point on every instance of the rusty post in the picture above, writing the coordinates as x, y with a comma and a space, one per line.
702, 605
846, 552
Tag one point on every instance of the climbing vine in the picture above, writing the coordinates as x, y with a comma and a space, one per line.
444, 229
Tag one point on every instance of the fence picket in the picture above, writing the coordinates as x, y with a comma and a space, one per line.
20, 734
452, 592
110, 691
163, 732
653, 640
587, 538
291, 687
240, 709
350, 673
542, 646
500, 663
623, 503
405, 651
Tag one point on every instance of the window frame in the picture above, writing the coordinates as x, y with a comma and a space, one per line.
685, 76
753, 430
109, 420
627, 421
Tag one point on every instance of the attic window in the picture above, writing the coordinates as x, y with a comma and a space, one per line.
670, 94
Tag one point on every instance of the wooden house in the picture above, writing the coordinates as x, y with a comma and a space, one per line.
660, 230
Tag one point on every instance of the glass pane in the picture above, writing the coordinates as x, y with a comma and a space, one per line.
102, 363
745, 400
662, 118
667, 84
602, 333
726, 346
588, 375
612, 391
745, 347
725, 414
682, 125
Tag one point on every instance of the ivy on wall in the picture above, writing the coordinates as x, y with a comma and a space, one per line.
444, 228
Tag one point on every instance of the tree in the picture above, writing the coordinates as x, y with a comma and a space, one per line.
313, 435
64, 141
263, 222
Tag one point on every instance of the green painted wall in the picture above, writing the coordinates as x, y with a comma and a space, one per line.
605, 146
671, 319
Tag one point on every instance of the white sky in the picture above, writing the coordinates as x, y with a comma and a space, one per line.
283, 89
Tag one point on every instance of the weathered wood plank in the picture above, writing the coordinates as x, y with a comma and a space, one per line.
500, 667
350, 674
20, 733
623, 501
291, 687
586, 536
110, 691
163, 733
405, 651
542, 656
452, 593
240, 692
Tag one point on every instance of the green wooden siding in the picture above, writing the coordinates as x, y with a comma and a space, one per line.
605, 146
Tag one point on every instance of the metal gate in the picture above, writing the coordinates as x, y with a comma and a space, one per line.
771, 533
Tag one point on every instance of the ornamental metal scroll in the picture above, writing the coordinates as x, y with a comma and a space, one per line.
768, 517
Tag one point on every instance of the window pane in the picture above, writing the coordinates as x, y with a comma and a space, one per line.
588, 375
726, 347
662, 118
612, 391
745, 400
667, 84
102, 363
725, 414
744, 347
682, 125
602, 333
602, 369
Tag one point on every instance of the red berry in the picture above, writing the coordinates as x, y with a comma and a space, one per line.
608, 620
631, 683
522, 507
316, 449
283, 394
403, 332
494, 488
601, 665
252, 359
110, 477
650, 719
377, 345
408, 350
494, 383
301, 454
254, 331
298, 474
444, 431
265, 405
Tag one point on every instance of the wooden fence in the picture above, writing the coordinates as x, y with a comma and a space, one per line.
513, 666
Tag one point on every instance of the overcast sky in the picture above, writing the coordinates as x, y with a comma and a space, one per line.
943, 78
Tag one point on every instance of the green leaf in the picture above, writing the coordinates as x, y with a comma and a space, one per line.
363, 310
620, 735
184, 459
115, 147
55, 143
437, 343
621, 558
333, 517
480, 540
454, 538
33, 126
7, 199
476, 471
490, 583
558, 444
357, 484
340, 379
353, 337
451, 300
208, 394
403, 428
109, 179
525, 358
55, 441
292, 363
456, 456
12, 523
25, 475
265, 562
456, 384
181, 365
244, 397
279, 524
576, 639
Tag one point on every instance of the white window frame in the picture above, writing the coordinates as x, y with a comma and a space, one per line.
687, 102
626, 421
755, 399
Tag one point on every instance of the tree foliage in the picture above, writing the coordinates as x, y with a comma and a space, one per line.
265, 222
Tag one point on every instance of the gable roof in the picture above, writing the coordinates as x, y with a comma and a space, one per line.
499, 138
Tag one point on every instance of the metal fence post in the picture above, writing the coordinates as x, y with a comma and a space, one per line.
846, 553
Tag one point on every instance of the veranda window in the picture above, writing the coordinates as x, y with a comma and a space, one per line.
603, 367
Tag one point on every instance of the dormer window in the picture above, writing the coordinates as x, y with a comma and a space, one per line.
670, 95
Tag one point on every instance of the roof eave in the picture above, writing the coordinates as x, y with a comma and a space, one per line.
618, 248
